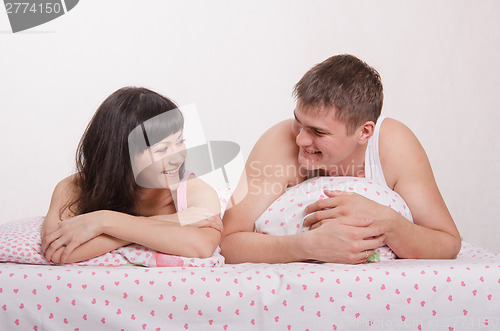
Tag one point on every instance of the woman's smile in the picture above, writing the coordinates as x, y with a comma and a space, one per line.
172, 172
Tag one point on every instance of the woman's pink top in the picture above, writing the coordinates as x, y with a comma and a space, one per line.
182, 192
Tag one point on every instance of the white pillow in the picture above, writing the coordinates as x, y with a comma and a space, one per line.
286, 215
20, 242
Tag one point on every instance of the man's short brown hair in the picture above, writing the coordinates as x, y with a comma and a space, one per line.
346, 82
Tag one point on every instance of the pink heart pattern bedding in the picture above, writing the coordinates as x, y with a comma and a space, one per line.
20, 242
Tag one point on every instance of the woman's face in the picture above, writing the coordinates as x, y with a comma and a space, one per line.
159, 164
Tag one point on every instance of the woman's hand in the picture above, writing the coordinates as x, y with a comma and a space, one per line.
59, 241
194, 216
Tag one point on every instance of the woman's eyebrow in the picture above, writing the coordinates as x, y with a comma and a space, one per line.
179, 137
159, 146
181, 133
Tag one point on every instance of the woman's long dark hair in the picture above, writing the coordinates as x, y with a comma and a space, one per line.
104, 172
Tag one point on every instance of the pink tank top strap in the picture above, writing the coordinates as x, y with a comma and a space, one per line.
182, 192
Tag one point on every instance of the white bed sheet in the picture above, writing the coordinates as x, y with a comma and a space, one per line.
462, 294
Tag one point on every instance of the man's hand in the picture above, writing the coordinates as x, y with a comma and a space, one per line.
349, 240
342, 204
346, 227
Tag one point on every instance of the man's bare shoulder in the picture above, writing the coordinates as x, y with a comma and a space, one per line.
397, 138
399, 150
280, 132
392, 128
269, 170
277, 148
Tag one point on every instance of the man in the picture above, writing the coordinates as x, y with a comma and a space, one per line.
337, 132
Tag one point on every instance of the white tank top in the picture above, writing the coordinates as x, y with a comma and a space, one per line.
373, 167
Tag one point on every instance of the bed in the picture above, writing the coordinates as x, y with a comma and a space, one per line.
461, 294
121, 291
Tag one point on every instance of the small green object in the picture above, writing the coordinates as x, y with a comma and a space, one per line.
374, 258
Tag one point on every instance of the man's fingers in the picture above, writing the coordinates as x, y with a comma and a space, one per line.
375, 231
321, 215
356, 221
314, 220
321, 204
369, 247
330, 202
364, 255
314, 226
318, 224
311, 219
334, 193
374, 242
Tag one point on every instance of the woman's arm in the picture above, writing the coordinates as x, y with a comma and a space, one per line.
89, 235
201, 195
65, 192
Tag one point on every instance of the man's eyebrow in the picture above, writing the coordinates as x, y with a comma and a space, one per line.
321, 130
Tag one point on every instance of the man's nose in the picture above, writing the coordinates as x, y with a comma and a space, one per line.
303, 138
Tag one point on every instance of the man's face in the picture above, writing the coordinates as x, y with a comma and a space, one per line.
322, 139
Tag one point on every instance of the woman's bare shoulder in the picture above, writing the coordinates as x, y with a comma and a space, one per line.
201, 194
65, 192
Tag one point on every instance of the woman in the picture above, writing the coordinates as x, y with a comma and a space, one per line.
130, 180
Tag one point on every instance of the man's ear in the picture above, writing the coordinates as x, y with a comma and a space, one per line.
366, 131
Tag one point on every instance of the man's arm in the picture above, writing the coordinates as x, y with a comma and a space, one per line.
271, 167
434, 233
408, 172
262, 182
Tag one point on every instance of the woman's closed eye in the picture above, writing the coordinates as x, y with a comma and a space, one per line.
161, 150
165, 147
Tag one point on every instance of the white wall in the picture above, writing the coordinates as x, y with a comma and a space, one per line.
238, 61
